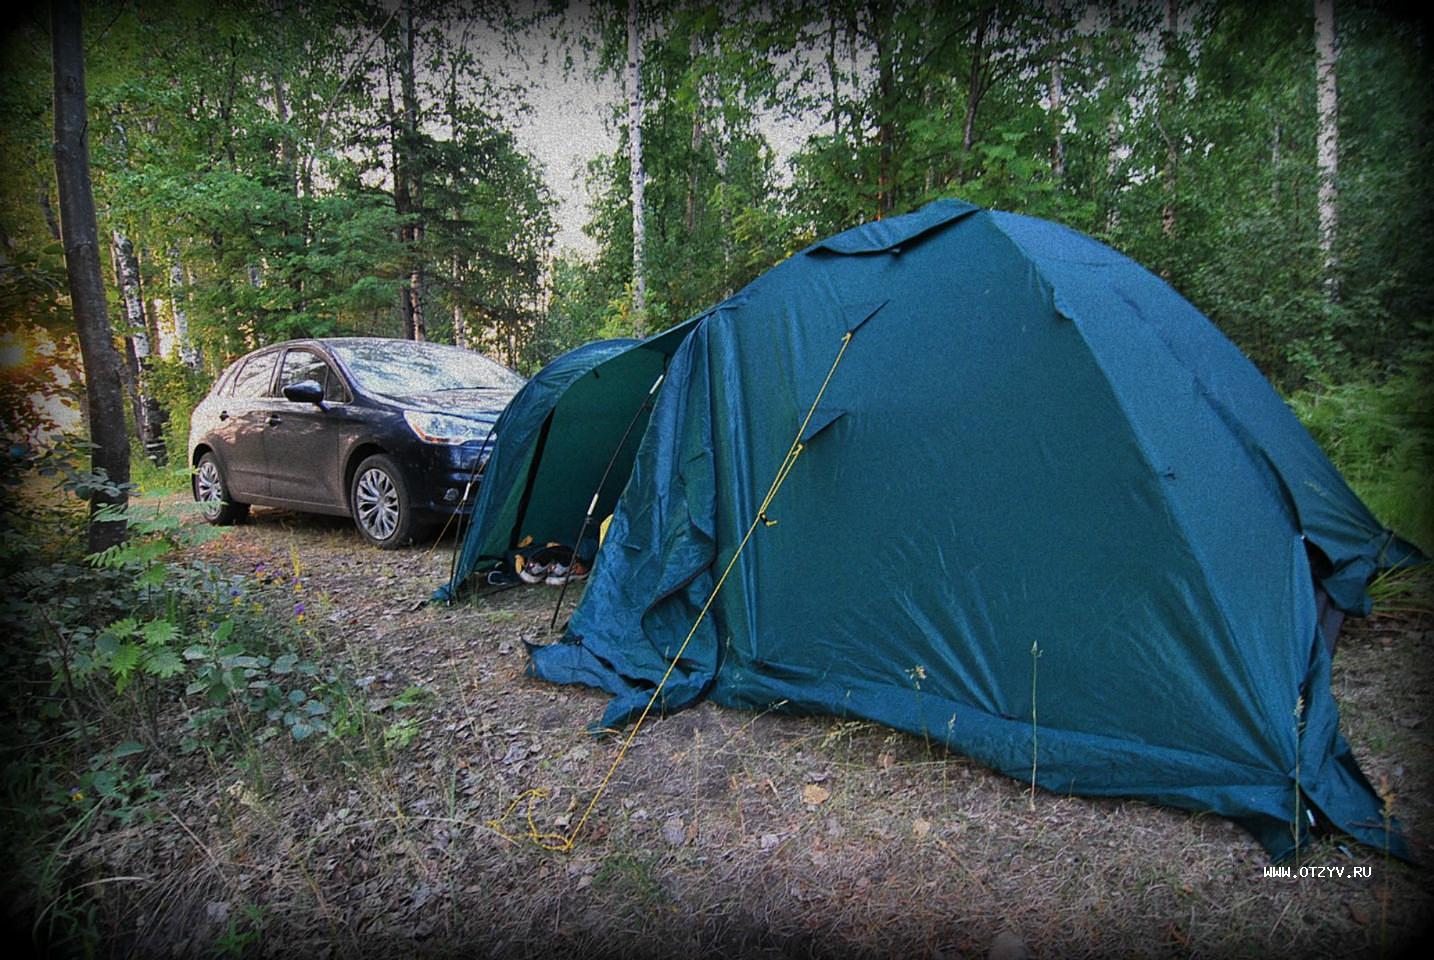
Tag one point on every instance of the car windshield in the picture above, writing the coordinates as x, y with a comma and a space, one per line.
401, 368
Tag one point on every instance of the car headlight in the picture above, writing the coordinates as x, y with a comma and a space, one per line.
441, 428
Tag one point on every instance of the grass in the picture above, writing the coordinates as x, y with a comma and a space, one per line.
1381, 437
153, 480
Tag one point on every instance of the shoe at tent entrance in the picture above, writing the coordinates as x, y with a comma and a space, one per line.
1001, 437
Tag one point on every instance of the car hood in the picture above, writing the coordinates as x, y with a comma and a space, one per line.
483, 405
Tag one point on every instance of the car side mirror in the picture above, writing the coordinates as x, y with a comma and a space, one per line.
305, 391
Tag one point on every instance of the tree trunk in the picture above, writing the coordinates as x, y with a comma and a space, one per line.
1170, 25
1114, 180
409, 86
104, 398
833, 75
50, 222
419, 330
638, 175
1326, 39
886, 100
183, 342
699, 110
1058, 107
978, 80
460, 322
139, 345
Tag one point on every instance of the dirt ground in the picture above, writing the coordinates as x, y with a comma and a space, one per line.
723, 832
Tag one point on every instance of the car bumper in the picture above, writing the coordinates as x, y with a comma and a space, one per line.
444, 479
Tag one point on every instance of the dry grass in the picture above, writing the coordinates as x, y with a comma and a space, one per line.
723, 833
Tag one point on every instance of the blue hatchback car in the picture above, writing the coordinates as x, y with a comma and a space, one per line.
393, 433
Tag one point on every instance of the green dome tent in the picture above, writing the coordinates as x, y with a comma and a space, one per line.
1025, 463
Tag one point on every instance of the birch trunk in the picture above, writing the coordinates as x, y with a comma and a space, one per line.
409, 84
103, 393
638, 174
1169, 25
1327, 150
1057, 89
885, 92
183, 343
1112, 170
689, 207
148, 416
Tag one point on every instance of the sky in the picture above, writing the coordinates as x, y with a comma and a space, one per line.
566, 127
570, 120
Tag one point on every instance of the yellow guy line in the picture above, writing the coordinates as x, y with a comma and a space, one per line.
565, 844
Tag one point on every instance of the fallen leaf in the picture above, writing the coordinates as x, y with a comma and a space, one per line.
921, 827
815, 795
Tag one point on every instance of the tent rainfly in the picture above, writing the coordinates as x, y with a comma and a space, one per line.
1019, 457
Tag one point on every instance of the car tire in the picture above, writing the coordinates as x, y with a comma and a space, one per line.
382, 509
211, 492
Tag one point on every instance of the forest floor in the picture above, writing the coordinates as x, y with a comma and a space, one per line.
722, 832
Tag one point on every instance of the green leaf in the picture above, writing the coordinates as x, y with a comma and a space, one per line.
123, 629
159, 632
164, 662
152, 577
125, 659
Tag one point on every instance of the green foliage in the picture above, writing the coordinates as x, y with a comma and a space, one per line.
178, 387
120, 665
1381, 437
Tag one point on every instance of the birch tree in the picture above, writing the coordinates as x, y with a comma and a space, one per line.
638, 174
139, 346
1327, 150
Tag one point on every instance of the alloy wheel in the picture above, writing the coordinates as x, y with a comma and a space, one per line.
209, 489
376, 503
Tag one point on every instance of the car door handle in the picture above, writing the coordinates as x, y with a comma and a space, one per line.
274, 420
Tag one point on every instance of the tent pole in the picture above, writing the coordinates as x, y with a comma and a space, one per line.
592, 504
463, 522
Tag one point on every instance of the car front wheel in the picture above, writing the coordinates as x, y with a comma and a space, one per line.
382, 508
212, 494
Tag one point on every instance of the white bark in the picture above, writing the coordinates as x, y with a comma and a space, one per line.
1058, 109
1113, 149
128, 269
183, 343
1327, 149
1169, 30
147, 413
639, 177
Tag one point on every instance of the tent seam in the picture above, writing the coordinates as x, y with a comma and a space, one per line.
1172, 508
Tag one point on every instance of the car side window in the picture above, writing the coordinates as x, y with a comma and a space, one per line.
303, 365
253, 378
